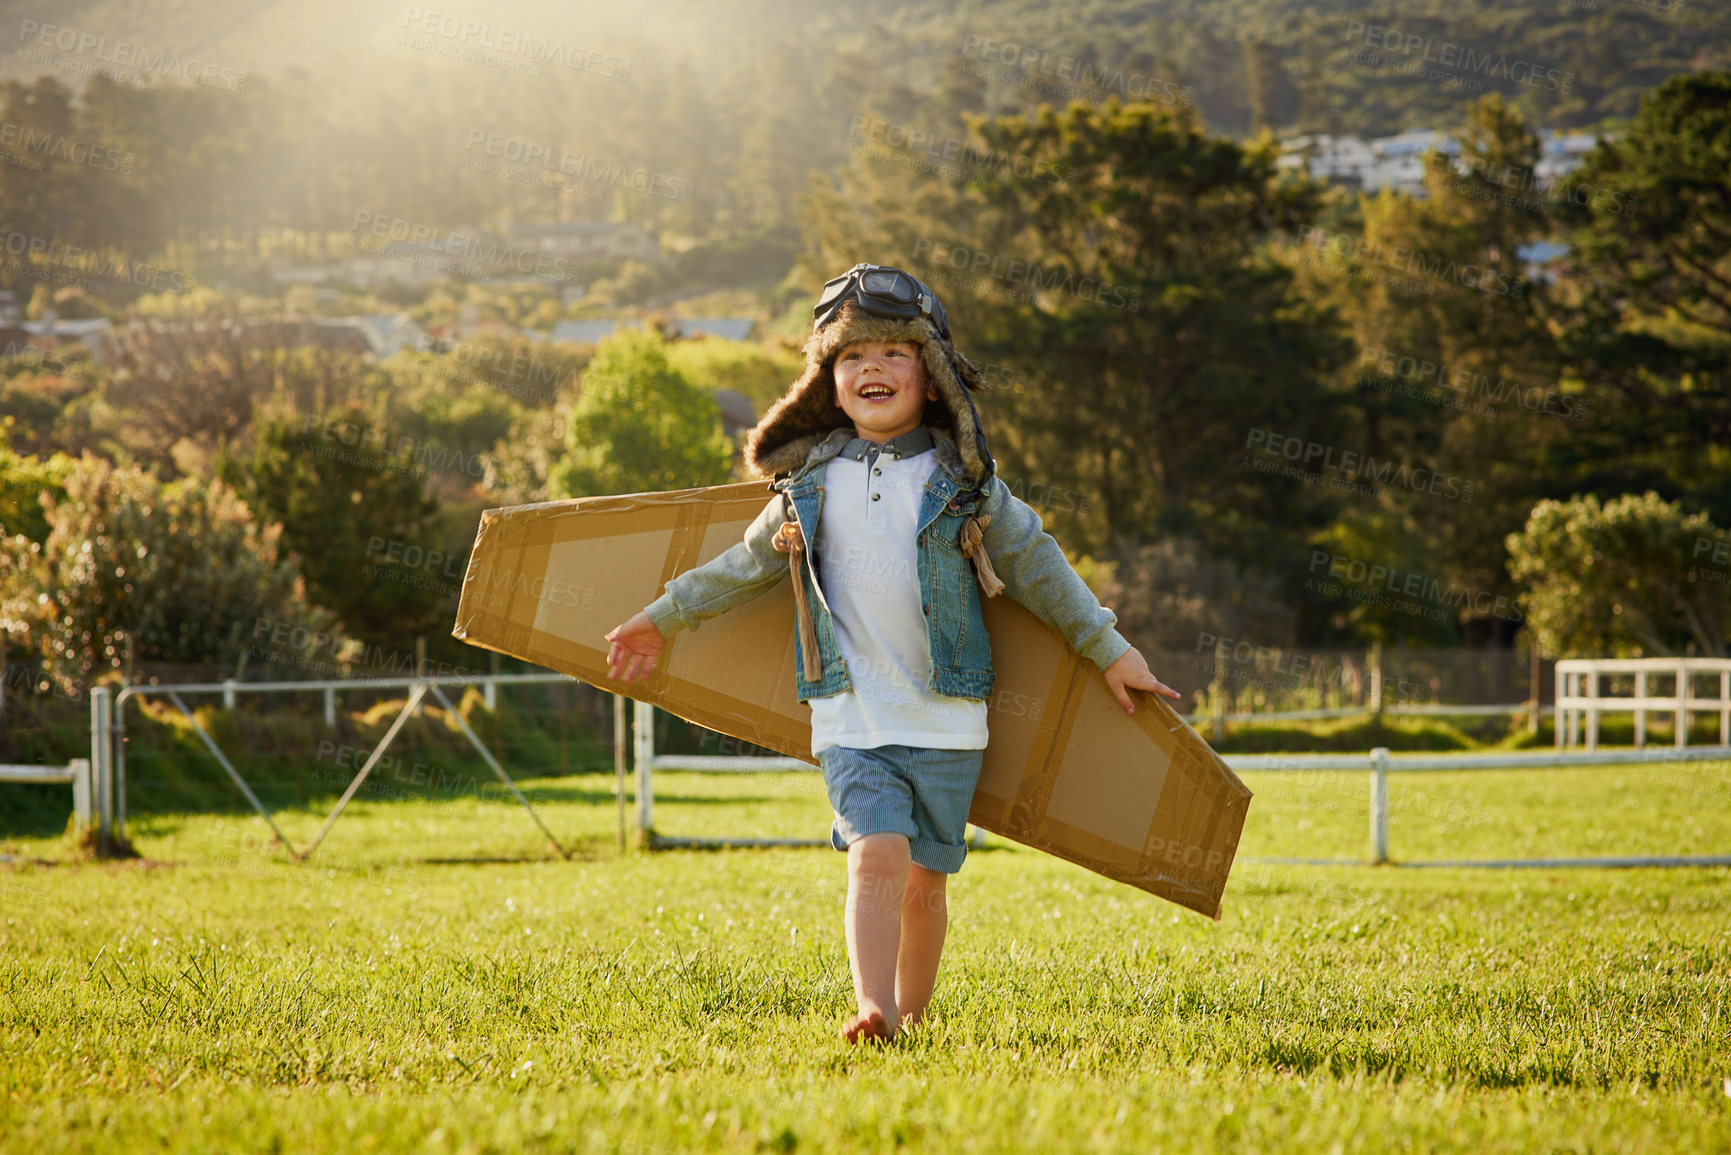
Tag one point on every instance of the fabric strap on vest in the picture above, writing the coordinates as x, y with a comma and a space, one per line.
973, 533
790, 541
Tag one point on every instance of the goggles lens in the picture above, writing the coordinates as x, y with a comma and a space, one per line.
888, 283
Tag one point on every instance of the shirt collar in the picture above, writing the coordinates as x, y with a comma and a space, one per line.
909, 444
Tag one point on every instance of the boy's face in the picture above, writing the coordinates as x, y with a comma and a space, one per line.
881, 386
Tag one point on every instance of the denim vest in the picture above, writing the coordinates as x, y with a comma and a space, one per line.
961, 651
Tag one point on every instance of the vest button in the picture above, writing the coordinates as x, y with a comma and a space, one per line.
875, 496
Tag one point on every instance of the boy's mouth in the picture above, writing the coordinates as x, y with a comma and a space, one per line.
876, 393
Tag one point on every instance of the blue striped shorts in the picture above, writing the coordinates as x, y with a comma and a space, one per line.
917, 791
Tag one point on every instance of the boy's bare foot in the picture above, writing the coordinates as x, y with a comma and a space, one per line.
867, 1026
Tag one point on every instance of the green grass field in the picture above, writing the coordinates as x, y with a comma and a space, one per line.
436, 981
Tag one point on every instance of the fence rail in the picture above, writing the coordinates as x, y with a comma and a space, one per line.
106, 776
108, 730
1380, 765
76, 773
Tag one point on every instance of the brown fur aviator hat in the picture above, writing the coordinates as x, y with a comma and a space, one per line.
807, 412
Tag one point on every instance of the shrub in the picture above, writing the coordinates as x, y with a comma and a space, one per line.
178, 572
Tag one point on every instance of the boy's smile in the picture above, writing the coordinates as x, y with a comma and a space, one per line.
882, 387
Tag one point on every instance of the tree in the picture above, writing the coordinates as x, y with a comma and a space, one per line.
1167, 594
39, 186
163, 573
23, 481
1647, 321
1111, 259
1622, 578
351, 501
1652, 210
639, 425
197, 380
1438, 282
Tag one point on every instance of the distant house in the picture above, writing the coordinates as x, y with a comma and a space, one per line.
726, 328
1395, 162
1561, 154
590, 332
1538, 258
737, 414
1338, 160
96, 334
587, 240
368, 333
391, 334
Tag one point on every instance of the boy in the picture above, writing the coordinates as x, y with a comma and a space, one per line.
886, 496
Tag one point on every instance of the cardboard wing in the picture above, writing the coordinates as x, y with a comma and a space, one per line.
1140, 798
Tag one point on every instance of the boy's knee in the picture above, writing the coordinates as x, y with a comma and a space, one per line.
880, 854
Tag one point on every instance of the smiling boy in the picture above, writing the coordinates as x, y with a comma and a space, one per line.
893, 520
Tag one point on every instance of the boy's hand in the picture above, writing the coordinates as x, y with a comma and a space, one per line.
1131, 672
636, 643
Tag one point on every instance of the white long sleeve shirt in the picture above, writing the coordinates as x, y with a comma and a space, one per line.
868, 563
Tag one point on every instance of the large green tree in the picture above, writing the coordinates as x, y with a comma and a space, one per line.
1648, 323
1651, 209
639, 425
1623, 577
1110, 262
1456, 371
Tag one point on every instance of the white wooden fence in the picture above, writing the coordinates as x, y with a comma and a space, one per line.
1580, 699
106, 769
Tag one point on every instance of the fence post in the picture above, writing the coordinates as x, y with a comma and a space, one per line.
421, 671
1593, 680
102, 760
619, 763
1379, 806
490, 691
1535, 675
330, 708
1217, 691
1640, 711
643, 753
228, 685
81, 792
1683, 680
1563, 721
1725, 707
1376, 679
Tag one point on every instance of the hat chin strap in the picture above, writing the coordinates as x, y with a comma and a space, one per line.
979, 427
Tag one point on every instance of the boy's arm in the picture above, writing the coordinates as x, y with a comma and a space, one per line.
1036, 573
733, 577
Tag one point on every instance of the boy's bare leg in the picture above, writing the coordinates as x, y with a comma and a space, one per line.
925, 917
877, 873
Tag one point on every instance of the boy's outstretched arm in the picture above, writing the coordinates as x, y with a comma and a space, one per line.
1036, 573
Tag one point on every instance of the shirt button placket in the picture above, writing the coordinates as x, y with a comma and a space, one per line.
873, 518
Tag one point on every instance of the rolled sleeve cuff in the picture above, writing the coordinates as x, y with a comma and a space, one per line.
667, 616
1106, 649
